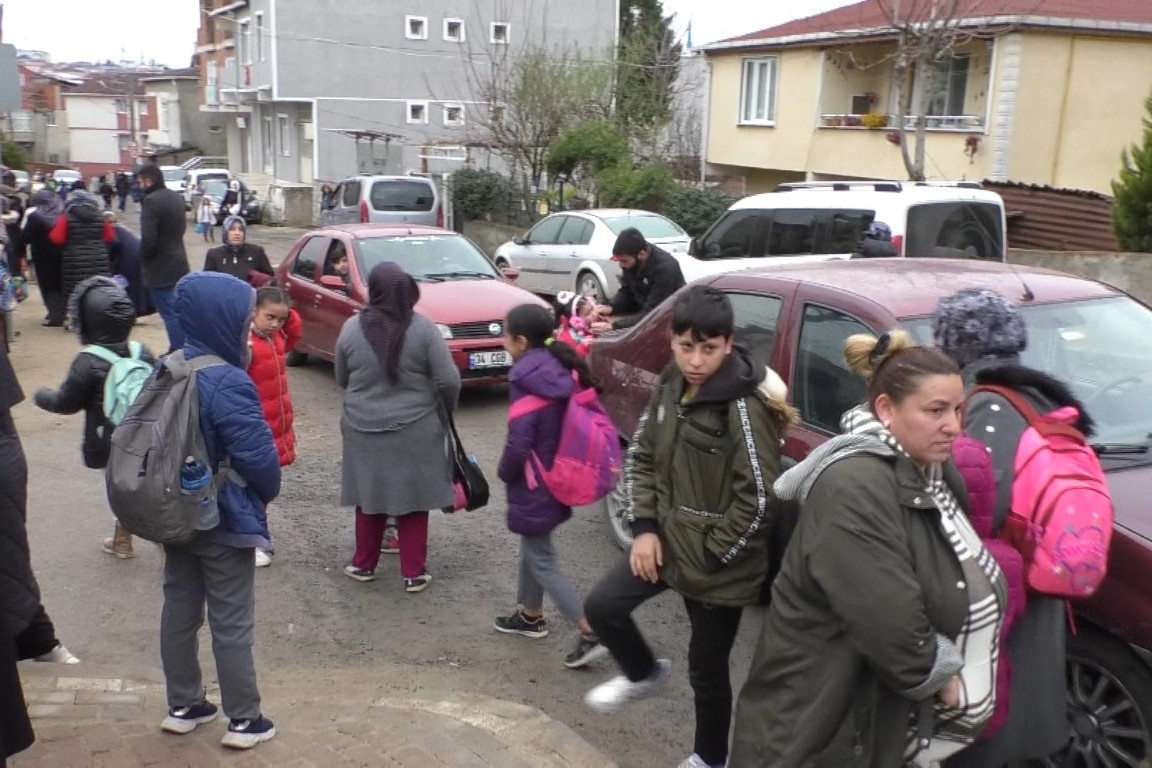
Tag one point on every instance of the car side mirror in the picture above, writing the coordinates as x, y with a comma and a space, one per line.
521, 240
693, 247
333, 283
510, 273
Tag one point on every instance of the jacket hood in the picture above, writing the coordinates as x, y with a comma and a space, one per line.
739, 376
84, 206
1022, 378
863, 436
215, 312
539, 373
101, 312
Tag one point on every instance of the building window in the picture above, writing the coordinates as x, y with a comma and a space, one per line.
947, 86
417, 112
122, 106
453, 114
245, 42
285, 135
454, 30
416, 27
758, 91
142, 108
500, 32
259, 37
51, 118
266, 138
496, 113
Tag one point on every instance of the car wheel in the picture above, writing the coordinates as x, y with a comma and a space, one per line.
295, 358
587, 284
1109, 704
618, 527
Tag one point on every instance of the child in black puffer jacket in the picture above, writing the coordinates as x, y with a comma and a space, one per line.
102, 314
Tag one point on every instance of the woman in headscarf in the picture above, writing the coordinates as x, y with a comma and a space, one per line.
237, 256
400, 385
84, 236
43, 210
232, 200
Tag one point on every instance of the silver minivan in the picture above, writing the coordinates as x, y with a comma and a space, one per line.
385, 200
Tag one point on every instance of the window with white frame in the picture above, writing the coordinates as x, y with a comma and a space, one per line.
142, 108
758, 91
416, 27
417, 112
266, 137
454, 30
453, 114
245, 42
285, 128
500, 33
259, 37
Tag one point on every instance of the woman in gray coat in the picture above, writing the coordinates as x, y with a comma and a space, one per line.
399, 385
985, 335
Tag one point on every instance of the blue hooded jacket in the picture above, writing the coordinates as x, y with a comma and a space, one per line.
534, 512
215, 312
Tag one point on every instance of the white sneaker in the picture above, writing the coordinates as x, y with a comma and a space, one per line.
694, 761
58, 655
263, 559
610, 696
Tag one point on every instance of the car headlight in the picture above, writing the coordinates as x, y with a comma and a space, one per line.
445, 331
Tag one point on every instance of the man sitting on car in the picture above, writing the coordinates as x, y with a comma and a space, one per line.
648, 276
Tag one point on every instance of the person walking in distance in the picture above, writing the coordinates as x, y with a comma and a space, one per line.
123, 189
206, 220
218, 567
83, 237
698, 478
47, 260
162, 246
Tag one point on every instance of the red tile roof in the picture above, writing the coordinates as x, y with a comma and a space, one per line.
873, 15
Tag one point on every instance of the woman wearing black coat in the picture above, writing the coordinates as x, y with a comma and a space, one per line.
43, 210
83, 235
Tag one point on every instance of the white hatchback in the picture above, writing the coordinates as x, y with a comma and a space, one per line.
572, 251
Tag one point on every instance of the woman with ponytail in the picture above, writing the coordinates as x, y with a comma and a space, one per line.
547, 369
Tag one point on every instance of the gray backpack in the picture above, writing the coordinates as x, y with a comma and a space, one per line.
159, 479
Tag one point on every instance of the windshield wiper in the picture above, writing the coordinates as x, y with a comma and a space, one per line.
1113, 449
428, 278
460, 273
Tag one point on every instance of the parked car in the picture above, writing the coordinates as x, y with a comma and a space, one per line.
385, 200
175, 177
1094, 337
196, 177
573, 250
66, 176
460, 290
215, 189
825, 220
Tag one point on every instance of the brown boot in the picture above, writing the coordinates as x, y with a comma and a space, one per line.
120, 544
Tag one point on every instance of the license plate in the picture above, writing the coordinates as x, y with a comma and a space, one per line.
489, 360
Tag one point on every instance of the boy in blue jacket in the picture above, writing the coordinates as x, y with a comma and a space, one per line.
218, 567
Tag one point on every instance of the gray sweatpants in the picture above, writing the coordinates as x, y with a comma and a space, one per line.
196, 574
539, 574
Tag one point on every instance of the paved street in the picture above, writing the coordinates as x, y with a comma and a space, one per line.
345, 666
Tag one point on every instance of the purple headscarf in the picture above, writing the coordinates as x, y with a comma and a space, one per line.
392, 294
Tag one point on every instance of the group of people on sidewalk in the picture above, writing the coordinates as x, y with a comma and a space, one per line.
887, 612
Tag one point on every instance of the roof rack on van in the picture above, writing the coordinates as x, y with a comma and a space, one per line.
877, 186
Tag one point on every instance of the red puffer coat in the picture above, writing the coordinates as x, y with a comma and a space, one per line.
270, 375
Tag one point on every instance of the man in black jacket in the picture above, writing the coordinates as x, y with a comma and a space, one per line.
162, 246
648, 276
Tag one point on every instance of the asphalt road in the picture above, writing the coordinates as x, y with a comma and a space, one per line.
309, 615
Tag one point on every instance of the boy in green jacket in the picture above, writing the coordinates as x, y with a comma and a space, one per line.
698, 480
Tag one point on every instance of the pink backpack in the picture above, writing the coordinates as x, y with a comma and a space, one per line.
1061, 513
587, 465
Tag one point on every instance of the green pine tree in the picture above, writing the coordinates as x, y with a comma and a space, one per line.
648, 63
1132, 206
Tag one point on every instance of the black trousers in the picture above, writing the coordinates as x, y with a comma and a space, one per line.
609, 610
15, 728
38, 638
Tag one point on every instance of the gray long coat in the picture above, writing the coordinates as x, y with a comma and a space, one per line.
396, 457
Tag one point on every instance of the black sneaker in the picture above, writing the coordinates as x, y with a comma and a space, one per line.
245, 734
418, 584
587, 650
519, 624
185, 719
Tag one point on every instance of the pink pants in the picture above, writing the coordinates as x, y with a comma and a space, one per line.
412, 530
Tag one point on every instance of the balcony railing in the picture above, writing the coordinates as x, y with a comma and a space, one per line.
875, 120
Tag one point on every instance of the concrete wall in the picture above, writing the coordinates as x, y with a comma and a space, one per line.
1130, 272
490, 236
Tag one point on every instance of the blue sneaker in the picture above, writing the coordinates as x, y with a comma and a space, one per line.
185, 719
245, 734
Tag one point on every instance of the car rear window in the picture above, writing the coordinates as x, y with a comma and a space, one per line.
175, 174
402, 195
955, 230
651, 227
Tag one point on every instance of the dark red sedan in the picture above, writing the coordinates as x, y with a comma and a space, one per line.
1094, 337
460, 290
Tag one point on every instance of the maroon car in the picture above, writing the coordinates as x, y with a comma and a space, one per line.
1091, 336
460, 290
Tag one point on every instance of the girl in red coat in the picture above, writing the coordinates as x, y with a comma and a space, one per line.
275, 331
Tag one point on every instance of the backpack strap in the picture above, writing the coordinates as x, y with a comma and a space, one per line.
103, 353
526, 405
135, 350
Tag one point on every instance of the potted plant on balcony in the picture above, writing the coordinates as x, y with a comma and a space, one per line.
874, 120
833, 121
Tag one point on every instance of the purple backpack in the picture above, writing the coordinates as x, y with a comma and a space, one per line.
587, 465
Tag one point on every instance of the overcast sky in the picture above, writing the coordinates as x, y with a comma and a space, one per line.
91, 30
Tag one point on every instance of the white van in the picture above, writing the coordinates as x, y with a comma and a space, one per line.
194, 177
817, 221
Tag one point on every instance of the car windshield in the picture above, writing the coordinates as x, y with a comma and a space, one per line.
402, 195
1103, 350
214, 188
652, 227
428, 258
175, 174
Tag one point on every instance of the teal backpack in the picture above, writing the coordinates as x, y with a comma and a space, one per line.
125, 378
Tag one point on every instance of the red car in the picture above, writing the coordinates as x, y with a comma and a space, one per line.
460, 290
1093, 337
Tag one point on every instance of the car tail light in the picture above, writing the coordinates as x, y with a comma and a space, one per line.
363, 211
440, 217
898, 244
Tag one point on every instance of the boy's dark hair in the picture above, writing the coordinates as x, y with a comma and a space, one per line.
536, 325
271, 294
629, 243
152, 172
704, 311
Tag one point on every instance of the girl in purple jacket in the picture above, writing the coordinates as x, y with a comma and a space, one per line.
544, 368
